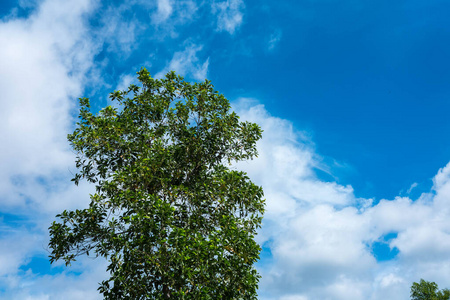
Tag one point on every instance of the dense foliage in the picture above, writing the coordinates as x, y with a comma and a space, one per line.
425, 290
173, 220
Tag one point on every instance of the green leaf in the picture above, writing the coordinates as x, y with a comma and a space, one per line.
171, 219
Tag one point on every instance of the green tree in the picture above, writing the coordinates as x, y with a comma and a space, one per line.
170, 217
425, 290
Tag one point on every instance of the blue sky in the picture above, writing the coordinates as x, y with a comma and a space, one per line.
352, 95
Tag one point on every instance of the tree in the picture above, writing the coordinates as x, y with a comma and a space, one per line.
170, 217
426, 290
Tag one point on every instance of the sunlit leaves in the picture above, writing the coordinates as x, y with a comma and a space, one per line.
170, 217
426, 290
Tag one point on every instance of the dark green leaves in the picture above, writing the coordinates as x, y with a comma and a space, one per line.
425, 290
170, 217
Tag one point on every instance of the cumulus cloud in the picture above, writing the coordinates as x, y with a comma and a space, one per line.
229, 15
44, 61
320, 237
317, 235
47, 59
66, 285
43, 67
187, 63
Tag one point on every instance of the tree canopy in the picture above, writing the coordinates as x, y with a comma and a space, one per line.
170, 215
426, 290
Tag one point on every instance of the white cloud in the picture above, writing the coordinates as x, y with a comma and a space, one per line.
15, 248
118, 30
229, 15
44, 62
65, 285
167, 15
414, 185
125, 81
389, 280
163, 12
319, 234
187, 63
43, 66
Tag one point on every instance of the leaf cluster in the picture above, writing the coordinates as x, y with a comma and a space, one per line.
426, 290
169, 215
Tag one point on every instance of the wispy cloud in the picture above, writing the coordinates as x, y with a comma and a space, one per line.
163, 11
118, 30
414, 185
125, 81
274, 39
187, 63
229, 15
168, 15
